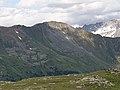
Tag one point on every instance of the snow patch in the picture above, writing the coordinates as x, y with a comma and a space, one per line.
16, 32
67, 38
19, 37
63, 32
30, 48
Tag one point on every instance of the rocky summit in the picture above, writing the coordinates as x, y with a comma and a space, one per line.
53, 48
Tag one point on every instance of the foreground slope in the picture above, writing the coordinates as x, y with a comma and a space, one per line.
102, 80
53, 48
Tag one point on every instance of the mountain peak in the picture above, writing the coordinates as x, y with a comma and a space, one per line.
107, 29
59, 25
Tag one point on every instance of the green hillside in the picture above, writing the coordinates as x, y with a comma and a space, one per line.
102, 80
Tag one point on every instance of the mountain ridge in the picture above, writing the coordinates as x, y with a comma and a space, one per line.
53, 48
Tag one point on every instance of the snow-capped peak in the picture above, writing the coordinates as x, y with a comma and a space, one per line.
108, 29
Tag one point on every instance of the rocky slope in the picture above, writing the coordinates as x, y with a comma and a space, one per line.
53, 48
107, 29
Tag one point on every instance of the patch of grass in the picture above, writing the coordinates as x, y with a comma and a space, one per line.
65, 82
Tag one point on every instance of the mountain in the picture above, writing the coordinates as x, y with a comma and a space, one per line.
53, 48
108, 29
101, 80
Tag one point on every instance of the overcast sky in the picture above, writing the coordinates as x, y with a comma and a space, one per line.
74, 12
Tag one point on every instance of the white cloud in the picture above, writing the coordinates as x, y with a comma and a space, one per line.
2, 2
12, 16
74, 12
32, 3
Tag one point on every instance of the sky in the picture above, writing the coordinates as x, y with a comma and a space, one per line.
73, 12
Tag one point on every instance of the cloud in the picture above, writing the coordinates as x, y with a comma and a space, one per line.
74, 12
12, 16
51, 3
2, 2
32, 3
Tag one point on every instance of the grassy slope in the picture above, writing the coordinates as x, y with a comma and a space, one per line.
67, 82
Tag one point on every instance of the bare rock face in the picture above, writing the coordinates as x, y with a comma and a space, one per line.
53, 48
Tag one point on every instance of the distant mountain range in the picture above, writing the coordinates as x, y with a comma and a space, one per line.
53, 48
107, 29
